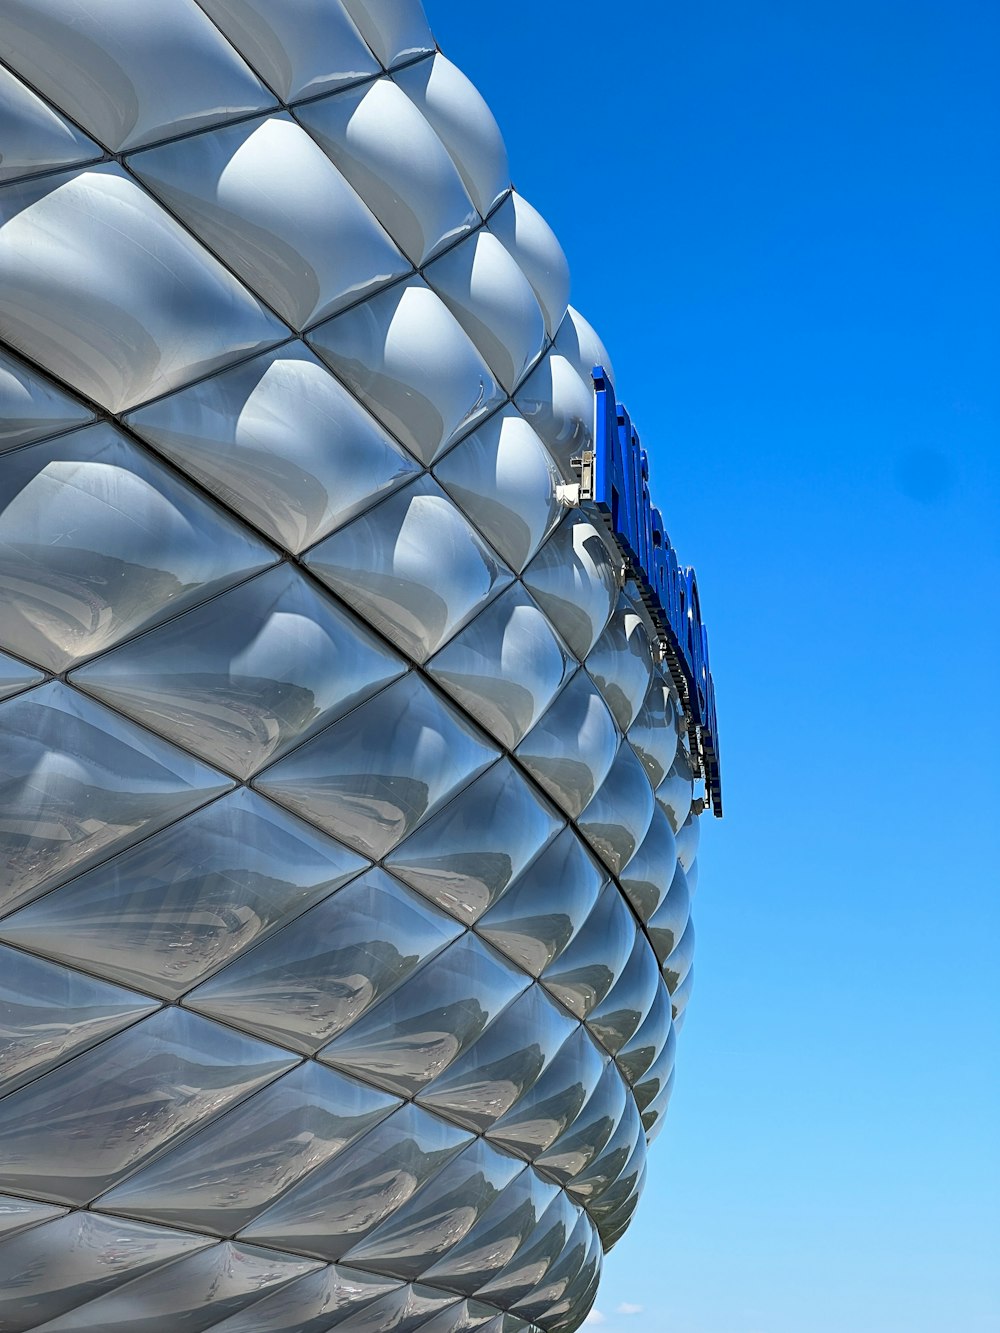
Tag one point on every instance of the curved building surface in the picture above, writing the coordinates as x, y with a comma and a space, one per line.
346, 822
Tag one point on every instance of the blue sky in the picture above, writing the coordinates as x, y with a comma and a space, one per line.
782, 218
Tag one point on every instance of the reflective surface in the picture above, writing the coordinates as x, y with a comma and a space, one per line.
348, 859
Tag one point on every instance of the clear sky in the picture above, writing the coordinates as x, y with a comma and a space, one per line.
782, 217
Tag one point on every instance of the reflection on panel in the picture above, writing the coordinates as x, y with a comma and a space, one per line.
466, 857
506, 667
51, 1013
31, 406
388, 565
429, 1020
104, 65
375, 776
175, 909
464, 123
99, 541
81, 782
407, 358
316, 976
280, 441
219, 1179
248, 676
571, 775
105, 290
299, 50
484, 289
391, 156
576, 582
267, 200
503, 479
74, 1132
52, 1269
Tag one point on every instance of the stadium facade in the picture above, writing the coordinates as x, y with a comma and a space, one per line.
355, 710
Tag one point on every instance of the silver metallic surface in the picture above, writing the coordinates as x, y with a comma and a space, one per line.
346, 815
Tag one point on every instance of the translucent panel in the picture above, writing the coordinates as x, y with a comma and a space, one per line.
80, 783
681, 996
622, 1010
654, 1032
98, 541
536, 1256
341, 1202
687, 841
578, 342
546, 905
587, 1135
190, 1295
575, 582
566, 1312
667, 923
570, 752
609, 1200
653, 734
396, 30
497, 1235
674, 793
300, 48
552, 1104
312, 1304
614, 1225
20, 1214
463, 1318
558, 1278
593, 961
71, 1134
532, 242
506, 667
445, 1210
268, 201
646, 879
621, 663
608, 1164
68, 1262
315, 977
282, 442
490, 1077
248, 676
464, 123
104, 65
407, 358
490, 297
413, 566
397, 164
425, 1024
559, 405
652, 1117
32, 406
35, 137
651, 1083
405, 1311
692, 876
220, 1179
16, 676
678, 963
503, 478
48, 1013
105, 290
466, 857
186, 901
616, 820
373, 777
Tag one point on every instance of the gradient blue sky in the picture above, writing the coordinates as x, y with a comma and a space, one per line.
783, 218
